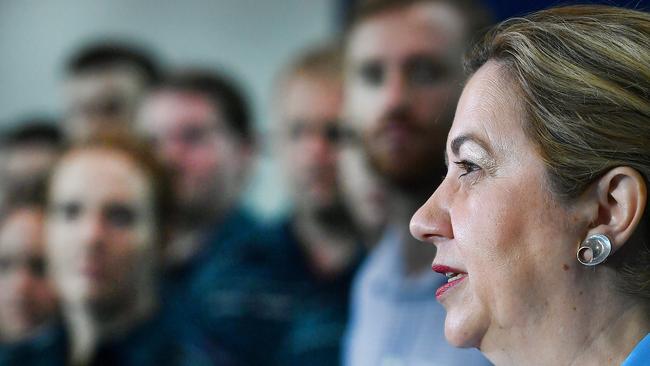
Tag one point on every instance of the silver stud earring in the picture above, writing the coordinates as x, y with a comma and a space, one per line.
594, 250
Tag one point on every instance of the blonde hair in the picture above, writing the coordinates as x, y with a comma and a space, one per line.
323, 61
584, 75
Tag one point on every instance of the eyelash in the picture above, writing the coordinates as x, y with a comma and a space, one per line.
467, 167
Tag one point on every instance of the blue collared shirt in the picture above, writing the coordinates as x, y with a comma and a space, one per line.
395, 319
640, 355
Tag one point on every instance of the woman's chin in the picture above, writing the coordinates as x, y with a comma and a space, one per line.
463, 331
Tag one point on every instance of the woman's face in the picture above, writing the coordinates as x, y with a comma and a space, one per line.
507, 243
101, 232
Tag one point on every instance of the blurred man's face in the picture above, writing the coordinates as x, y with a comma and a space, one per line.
402, 81
101, 230
27, 164
309, 112
102, 101
207, 160
27, 298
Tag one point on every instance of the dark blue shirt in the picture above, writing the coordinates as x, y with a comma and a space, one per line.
261, 301
158, 341
33, 351
178, 281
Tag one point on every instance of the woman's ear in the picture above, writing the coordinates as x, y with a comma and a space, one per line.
621, 195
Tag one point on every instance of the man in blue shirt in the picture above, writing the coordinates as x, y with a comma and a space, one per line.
321, 238
199, 125
281, 296
403, 76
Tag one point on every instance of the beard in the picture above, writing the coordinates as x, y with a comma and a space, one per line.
416, 171
198, 206
408, 154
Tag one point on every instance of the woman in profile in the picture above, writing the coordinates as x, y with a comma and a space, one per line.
541, 223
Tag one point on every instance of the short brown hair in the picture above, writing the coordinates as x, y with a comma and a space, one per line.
222, 91
107, 54
138, 152
583, 74
473, 11
321, 61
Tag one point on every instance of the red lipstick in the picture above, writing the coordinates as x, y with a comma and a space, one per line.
454, 277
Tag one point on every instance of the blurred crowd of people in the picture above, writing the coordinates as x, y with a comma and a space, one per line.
124, 241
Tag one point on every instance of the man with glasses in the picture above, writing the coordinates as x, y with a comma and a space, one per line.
286, 300
199, 125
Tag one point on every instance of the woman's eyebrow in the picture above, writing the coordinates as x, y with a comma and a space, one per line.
458, 141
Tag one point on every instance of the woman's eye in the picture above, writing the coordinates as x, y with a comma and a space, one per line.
120, 215
467, 167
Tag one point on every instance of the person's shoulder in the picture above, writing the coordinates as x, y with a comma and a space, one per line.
47, 348
241, 221
236, 225
263, 244
170, 340
259, 257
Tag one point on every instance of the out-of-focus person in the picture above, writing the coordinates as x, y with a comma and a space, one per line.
364, 191
308, 132
104, 83
28, 150
280, 296
199, 124
108, 207
541, 223
402, 79
322, 247
28, 302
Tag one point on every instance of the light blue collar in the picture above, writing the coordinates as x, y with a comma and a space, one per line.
640, 354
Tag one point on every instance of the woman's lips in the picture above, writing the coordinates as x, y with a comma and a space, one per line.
454, 277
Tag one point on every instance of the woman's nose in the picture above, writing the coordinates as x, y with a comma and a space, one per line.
431, 221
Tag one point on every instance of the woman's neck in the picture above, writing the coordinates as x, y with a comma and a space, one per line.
613, 342
594, 327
